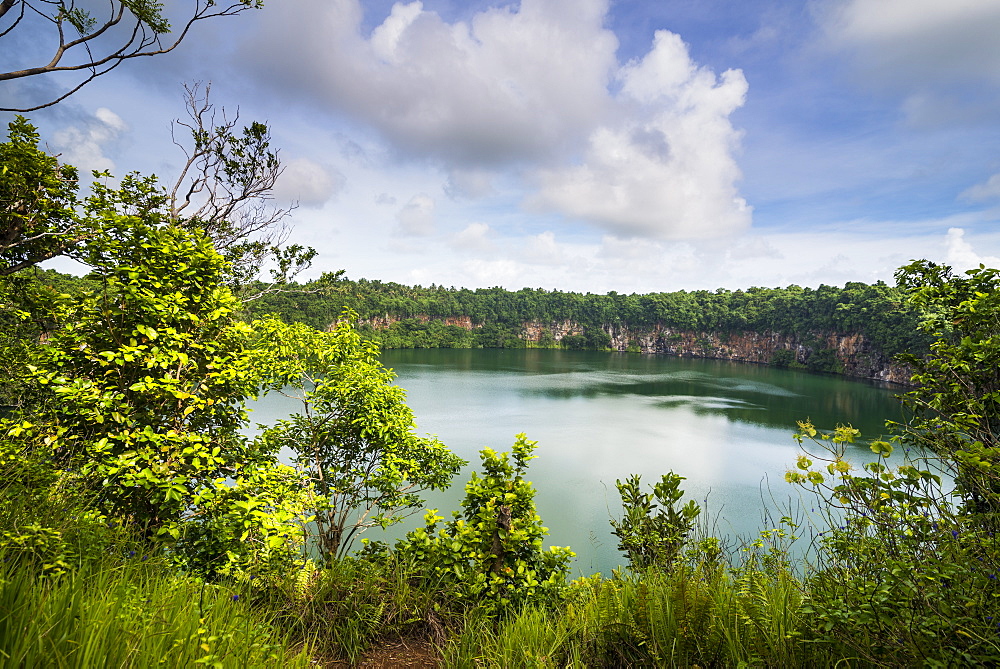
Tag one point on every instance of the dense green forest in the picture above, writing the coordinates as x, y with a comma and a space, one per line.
398, 316
419, 315
141, 526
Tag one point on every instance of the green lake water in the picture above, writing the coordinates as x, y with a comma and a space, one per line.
598, 417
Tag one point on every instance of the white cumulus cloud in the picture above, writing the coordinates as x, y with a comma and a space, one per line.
308, 182
939, 55
922, 38
416, 218
960, 254
667, 169
83, 145
475, 237
531, 94
512, 83
469, 183
543, 249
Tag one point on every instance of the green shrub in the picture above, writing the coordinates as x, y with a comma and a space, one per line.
342, 608
782, 357
904, 575
491, 553
653, 530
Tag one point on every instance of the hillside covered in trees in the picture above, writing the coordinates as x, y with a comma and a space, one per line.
857, 329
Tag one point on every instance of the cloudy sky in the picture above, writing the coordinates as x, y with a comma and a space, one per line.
588, 145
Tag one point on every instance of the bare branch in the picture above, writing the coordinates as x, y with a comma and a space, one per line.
142, 39
226, 181
225, 188
4, 8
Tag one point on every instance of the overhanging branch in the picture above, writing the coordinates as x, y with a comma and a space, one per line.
76, 55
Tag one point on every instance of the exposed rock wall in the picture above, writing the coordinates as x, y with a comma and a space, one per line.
852, 354
535, 330
384, 321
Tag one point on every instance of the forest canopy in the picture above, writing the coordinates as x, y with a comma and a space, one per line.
878, 311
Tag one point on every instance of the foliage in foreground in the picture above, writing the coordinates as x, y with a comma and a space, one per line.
136, 396
78, 591
354, 438
491, 552
128, 613
692, 616
653, 530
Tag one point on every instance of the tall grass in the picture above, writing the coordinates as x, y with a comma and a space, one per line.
345, 608
130, 614
700, 616
533, 637
79, 591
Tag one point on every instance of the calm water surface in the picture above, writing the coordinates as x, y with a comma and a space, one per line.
598, 417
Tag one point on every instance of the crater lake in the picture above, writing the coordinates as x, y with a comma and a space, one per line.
598, 416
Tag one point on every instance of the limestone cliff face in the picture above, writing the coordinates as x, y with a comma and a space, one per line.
384, 321
851, 352
461, 321
535, 330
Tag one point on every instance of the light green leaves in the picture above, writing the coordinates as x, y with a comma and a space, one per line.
653, 529
491, 552
881, 448
143, 388
354, 438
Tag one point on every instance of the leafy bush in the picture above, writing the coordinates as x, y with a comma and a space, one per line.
139, 398
491, 553
782, 357
955, 411
653, 530
904, 576
354, 438
824, 360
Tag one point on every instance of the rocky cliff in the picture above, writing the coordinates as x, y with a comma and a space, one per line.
846, 353
849, 354
385, 320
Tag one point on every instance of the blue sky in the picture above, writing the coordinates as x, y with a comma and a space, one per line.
591, 145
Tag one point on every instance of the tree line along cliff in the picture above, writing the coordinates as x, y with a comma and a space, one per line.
855, 330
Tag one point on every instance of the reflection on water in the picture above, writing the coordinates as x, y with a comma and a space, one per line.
599, 417
751, 393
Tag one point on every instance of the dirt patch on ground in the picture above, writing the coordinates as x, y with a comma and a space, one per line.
403, 653
410, 653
